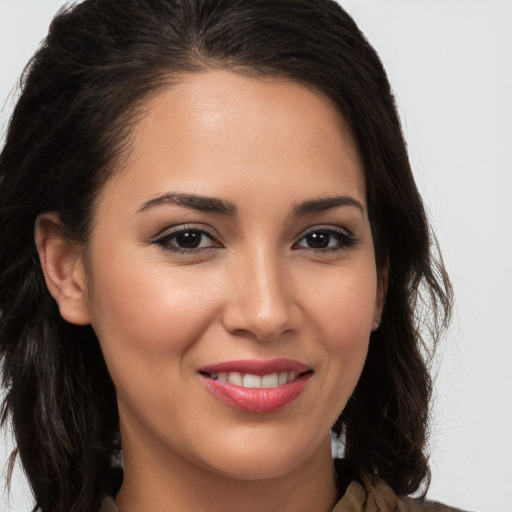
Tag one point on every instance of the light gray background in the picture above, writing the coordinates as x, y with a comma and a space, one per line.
450, 63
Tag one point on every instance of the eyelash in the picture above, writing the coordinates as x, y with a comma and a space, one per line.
165, 242
345, 240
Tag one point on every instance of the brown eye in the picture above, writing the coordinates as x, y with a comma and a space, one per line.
326, 239
187, 239
318, 240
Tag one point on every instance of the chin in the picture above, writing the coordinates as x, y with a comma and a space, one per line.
257, 463
261, 469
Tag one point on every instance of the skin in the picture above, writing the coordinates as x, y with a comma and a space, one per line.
253, 289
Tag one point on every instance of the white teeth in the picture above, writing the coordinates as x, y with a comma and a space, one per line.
270, 381
235, 378
249, 380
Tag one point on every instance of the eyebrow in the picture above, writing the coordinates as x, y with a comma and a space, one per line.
193, 202
222, 207
326, 203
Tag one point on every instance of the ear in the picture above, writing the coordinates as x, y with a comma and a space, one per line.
380, 299
63, 268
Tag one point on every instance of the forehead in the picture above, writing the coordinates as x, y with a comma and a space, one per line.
221, 133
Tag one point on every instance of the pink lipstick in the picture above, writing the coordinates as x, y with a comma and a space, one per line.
256, 386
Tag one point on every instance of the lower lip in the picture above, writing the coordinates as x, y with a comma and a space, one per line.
255, 400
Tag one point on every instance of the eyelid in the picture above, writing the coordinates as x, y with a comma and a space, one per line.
326, 227
178, 228
163, 237
350, 238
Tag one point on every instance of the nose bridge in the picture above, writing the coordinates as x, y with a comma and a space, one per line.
261, 299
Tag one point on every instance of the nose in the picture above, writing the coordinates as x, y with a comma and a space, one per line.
261, 301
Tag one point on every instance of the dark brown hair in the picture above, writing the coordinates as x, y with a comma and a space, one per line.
81, 94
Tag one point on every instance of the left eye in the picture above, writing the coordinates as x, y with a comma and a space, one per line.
187, 239
322, 239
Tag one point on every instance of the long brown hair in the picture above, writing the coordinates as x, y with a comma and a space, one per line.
81, 94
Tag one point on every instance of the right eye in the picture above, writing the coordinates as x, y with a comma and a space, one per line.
187, 240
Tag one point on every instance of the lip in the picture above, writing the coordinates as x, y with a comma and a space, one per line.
257, 366
257, 400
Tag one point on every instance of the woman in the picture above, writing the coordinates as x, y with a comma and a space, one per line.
212, 252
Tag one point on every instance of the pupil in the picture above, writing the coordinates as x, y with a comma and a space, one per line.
189, 239
318, 240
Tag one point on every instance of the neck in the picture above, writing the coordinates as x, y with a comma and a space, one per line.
172, 483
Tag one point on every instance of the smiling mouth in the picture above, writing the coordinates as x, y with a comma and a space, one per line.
257, 386
252, 381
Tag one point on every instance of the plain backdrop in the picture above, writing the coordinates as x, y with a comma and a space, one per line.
450, 64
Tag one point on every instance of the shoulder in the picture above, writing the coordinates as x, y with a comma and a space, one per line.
377, 496
366, 494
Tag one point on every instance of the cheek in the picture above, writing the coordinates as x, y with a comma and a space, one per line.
343, 304
148, 319
343, 314
138, 306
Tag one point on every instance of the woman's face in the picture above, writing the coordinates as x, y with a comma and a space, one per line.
233, 284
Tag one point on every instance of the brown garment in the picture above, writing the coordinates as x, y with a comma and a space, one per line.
377, 496
365, 496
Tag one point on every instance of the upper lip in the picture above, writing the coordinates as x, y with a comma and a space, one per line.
257, 366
